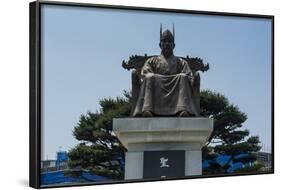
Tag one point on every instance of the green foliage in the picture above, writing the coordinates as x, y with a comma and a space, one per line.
101, 153
228, 137
255, 166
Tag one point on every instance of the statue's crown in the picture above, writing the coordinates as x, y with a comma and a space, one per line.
167, 34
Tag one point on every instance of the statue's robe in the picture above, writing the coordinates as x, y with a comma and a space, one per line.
166, 87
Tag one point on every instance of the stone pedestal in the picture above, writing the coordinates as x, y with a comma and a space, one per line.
142, 136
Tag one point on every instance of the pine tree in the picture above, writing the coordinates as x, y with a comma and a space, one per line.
228, 137
101, 153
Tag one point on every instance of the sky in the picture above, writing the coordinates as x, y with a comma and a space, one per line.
82, 51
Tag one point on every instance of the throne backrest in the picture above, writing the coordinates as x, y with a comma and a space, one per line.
137, 61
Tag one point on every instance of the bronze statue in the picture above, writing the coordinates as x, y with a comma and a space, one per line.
165, 85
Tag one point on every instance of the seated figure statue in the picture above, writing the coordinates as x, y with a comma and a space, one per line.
165, 85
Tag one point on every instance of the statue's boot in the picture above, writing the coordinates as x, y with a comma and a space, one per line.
184, 114
147, 114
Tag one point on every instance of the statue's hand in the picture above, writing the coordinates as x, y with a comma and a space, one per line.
190, 77
149, 75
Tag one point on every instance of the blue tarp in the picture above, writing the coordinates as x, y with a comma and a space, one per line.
56, 177
62, 156
223, 159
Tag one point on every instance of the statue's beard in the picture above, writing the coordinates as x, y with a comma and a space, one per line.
167, 52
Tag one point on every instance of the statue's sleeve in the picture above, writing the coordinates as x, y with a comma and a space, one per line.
147, 67
184, 68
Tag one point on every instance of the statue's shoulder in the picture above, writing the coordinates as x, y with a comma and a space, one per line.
153, 59
181, 60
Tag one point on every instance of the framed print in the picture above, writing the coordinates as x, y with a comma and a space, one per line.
124, 94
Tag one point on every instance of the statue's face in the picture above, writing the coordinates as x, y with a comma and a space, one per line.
167, 46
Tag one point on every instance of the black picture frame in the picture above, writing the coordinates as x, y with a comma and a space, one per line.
35, 85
